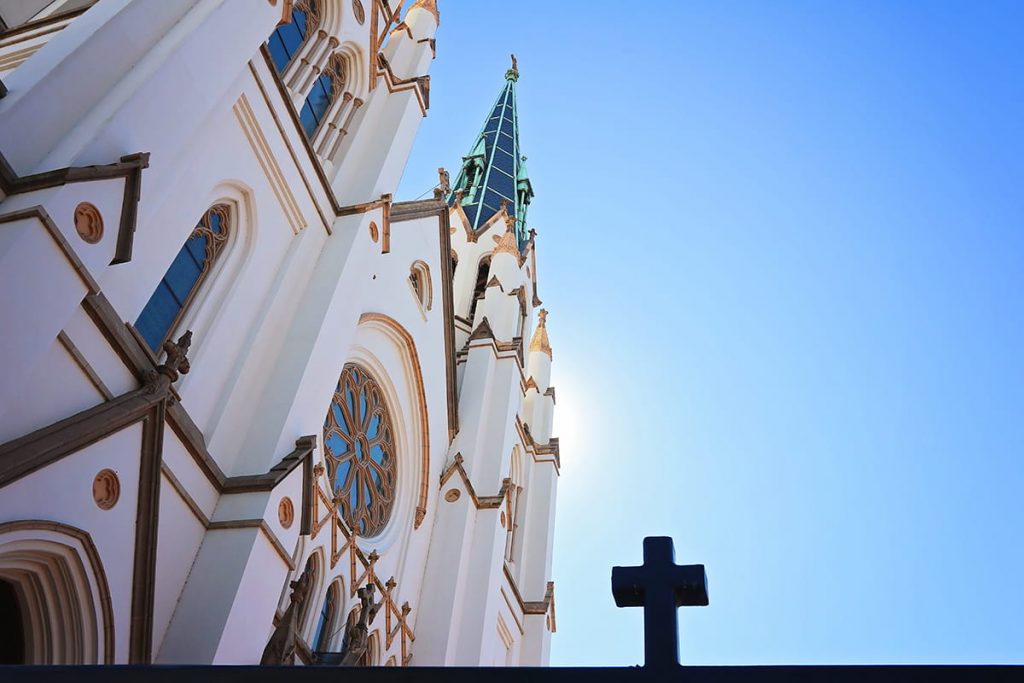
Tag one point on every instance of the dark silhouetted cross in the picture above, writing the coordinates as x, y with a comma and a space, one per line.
660, 586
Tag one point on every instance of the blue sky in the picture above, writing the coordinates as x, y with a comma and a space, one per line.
783, 249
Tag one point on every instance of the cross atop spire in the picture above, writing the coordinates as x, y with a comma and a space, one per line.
494, 171
513, 73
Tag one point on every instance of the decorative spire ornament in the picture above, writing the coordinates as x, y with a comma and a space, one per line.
430, 6
540, 335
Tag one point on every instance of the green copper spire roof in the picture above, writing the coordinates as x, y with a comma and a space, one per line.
494, 171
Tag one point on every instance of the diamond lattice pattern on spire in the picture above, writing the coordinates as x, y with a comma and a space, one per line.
494, 170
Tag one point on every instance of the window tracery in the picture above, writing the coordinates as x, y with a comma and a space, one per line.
287, 39
325, 625
422, 287
326, 88
360, 452
190, 267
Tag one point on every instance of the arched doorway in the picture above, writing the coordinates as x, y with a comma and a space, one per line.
12, 625
54, 601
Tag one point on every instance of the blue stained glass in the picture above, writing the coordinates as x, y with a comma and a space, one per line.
323, 635
308, 119
341, 476
196, 245
339, 417
216, 224
316, 104
377, 453
350, 399
373, 427
362, 407
179, 282
159, 314
286, 39
278, 52
182, 276
337, 445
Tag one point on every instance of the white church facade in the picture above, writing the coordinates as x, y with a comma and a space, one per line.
254, 409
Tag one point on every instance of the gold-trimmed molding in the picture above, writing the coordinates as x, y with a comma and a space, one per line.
481, 502
268, 163
512, 610
545, 606
287, 143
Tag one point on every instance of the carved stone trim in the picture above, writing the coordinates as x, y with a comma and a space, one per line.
106, 489
481, 502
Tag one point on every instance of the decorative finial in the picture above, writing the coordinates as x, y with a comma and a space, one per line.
513, 73
444, 184
508, 243
540, 335
430, 6
177, 357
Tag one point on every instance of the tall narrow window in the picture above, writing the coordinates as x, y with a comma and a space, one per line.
480, 288
286, 40
326, 87
325, 624
182, 280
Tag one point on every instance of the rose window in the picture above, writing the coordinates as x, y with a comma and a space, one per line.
360, 452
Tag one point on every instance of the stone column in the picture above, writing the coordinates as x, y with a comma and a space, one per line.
301, 63
317, 67
327, 132
343, 131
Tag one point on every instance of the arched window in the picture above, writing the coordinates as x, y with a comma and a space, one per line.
312, 571
325, 88
480, 288
512, 505
422, 287
286, 40
182, 280
325, 625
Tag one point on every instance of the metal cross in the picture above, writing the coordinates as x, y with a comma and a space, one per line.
660, 586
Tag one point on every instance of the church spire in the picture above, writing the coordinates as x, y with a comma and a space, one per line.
494, 171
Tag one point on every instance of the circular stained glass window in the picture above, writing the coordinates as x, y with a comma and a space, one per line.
360, 452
